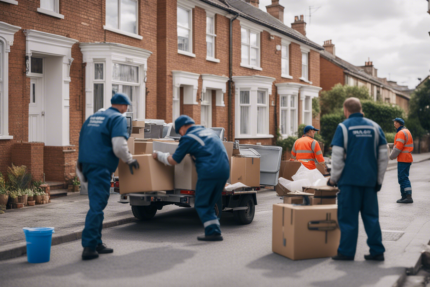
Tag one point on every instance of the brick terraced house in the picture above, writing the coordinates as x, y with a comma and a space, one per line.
335, 70
225, 63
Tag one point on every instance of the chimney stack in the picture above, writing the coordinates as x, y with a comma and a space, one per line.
276, 10
369, 68
255, 3
329, 47
299, 25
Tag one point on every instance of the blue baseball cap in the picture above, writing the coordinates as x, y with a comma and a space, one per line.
182, 121
120, 99
400, 121
308, 128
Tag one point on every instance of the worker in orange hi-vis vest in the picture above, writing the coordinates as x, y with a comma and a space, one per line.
307, 150
403, 147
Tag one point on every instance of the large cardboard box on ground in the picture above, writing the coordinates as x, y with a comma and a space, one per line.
323, 195
245, 170
289, 168
305, 232
151, 176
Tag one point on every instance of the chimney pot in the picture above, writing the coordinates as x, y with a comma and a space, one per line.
255, 3
329, 47
299, 25
276, 10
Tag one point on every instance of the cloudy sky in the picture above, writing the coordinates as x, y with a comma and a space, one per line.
393, 33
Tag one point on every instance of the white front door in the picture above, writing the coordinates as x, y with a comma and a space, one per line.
36, 117
206, 109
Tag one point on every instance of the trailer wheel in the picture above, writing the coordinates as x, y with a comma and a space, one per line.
245, 216
144, 212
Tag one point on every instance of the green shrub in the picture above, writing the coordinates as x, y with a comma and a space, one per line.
316, 108
382, 114
390, 137
413, 124
420, 106
329, 124
332, 101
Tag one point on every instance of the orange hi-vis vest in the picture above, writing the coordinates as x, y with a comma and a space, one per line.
405, 144
307, 151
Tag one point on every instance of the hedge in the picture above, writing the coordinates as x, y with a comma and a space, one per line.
382, 114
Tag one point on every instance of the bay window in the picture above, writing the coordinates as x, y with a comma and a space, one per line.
185, 32
245, 106
122, 17
288, 115
250, 48
262, 113
125, 80
99, 84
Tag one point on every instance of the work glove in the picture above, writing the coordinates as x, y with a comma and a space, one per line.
162, 157
134, 164
378, 187
329, 183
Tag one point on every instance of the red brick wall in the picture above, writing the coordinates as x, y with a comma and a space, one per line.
30, 155
331, 74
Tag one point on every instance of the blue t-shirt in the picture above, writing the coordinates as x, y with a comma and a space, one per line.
95, 140
361, 138
208, 151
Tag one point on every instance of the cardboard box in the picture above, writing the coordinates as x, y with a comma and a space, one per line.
143, 147
289, 168
281, 190
245, 170
293, 200
130, 144
151, 176
297, 233
323, 195
140, 124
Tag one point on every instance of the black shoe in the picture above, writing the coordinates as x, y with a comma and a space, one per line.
408, 199
400, 200
89, 254
214, 237
343, 257
103, 249
379, 257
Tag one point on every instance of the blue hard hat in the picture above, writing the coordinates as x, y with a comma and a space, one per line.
400, 121
120, 99
182, 121
308, 128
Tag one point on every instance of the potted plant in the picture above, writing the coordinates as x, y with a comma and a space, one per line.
76, 184
42, 197
46, 197
13, 195
70, 186
4, 193
25, 195
20, 197
38, 197
30, 199
19, 179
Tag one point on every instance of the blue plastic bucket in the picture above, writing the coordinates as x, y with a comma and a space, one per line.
39, 241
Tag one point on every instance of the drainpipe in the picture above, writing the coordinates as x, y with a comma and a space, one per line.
230, 81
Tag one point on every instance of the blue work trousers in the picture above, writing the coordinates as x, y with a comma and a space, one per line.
208, 194
351, 201
98, 194
403, 177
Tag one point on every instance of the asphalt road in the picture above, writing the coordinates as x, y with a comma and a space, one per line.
165, 252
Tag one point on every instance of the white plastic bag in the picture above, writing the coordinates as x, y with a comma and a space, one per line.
313, 176
298, 184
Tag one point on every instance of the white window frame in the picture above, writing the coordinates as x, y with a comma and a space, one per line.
249, 105
286, 74
266, 113
305, 52
118, 30
7, 33
307, 114
253, 84
99, 81
188, 7
54, 13
251, 28
311, 92
135, 85
190, 83
289, 90
211, 58
10, 2
208, 103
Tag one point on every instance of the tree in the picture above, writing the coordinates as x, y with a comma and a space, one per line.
382, 114
420, 106
332, 101
315, 107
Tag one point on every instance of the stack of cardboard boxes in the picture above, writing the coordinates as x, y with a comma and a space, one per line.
245, 167
305, 231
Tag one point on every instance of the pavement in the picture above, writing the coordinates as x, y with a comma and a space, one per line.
392, 164
165, 252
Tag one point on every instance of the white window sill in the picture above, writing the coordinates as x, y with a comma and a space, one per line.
213, 60
185, 53
251, 67
306, 81
6, 137
132, 35
254, 137
286, 76
10, 2
50, 13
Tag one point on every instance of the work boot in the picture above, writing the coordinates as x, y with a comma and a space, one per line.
408, 199
103, 249
342, 257
379, 257
213, 237
89, 254
403, 197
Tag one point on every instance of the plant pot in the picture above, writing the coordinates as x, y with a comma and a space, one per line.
13, 200
70, 188
38, 199
25, 199
20, 199
46, 198
76, 188
30, 198
4, 199
18, 205
31, 203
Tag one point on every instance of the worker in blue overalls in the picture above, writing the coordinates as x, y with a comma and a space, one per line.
359, 162
212, 167
102, 142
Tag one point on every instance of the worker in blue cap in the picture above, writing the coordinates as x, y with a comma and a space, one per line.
102, 142
212, 167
